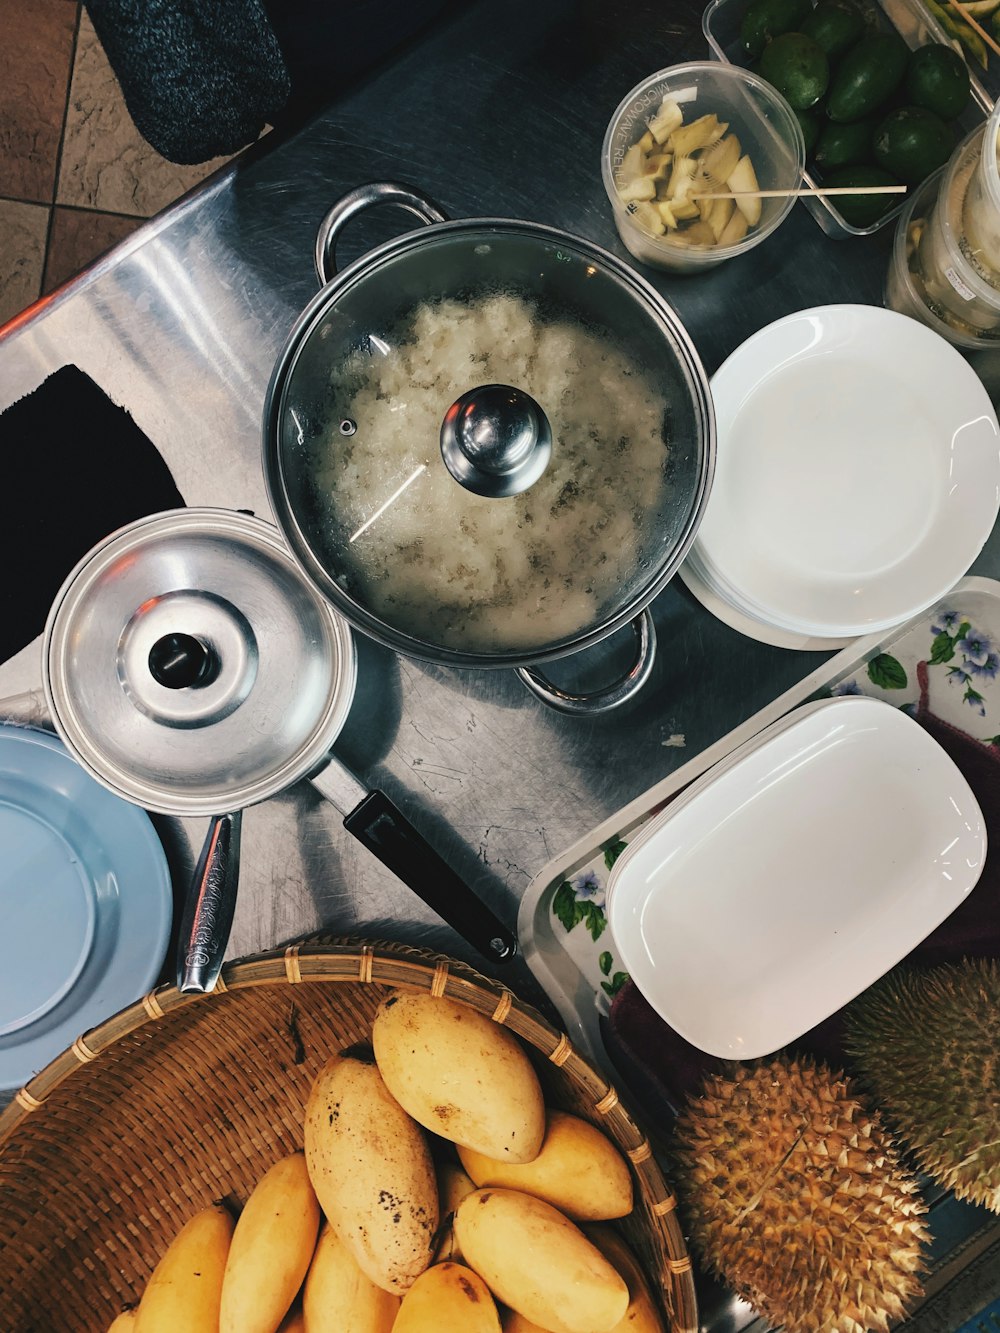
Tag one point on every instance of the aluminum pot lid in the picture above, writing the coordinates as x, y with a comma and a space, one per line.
190, 667
487, 440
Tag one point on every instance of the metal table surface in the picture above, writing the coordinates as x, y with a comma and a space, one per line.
499, 110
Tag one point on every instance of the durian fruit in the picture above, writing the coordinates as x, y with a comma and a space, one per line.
928, 1045
794, 1195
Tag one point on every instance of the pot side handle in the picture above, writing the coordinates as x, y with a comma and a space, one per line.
366, 196
611, 696
209, 907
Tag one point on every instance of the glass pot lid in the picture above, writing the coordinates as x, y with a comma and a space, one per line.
488, 442
191, 668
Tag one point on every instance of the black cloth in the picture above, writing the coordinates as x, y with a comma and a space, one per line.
74, 468
199, 80
202, 80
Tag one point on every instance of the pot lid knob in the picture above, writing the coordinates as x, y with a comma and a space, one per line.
496, 440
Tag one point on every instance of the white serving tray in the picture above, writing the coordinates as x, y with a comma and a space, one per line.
562, 925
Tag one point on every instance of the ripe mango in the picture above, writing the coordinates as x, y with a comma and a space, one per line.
271, 1250
185, 1289
460, 1075
535, 1260
338, 1297
579, 1171
448, 1298
371, 1169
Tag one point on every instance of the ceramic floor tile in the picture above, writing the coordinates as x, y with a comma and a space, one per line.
23, 228
106, 164
78, 237
35, 56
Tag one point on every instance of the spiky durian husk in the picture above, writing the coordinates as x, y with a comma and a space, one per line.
928, 1044
795, 1197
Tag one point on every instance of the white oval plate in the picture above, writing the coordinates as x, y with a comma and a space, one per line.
794, 874
858, 471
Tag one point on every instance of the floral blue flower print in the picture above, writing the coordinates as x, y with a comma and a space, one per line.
949, 620
975, 648
588, 889
988, 668
847, 687
956, 638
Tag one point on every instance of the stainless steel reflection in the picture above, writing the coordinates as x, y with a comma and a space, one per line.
266, 713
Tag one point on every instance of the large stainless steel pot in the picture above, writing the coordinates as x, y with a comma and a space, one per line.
343, 477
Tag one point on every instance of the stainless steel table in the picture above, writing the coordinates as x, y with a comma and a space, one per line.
500, 110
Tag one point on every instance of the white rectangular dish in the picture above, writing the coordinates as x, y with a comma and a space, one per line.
794, 874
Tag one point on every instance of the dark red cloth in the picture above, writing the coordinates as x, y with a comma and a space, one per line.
662, 1069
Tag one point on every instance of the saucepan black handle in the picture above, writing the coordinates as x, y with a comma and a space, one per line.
386, 832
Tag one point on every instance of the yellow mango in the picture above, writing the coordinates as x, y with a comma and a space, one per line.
271, 1250
448, 1299
453, 1186
460, 1075
642, 1315
338, 1297
579, 1171
123, 1323
371, 1169
534, 1259
185, 1288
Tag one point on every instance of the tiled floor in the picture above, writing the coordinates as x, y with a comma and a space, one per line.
75, 176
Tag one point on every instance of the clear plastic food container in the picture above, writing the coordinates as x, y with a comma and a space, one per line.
768, 133
907, 292
917, 27
981, 208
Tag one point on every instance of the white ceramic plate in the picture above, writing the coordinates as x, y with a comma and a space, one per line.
713, 599
794, 874
858, 471
85, 902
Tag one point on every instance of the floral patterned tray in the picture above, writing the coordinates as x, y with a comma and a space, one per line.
566, 943
562, 926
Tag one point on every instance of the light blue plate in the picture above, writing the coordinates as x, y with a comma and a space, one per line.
85, 902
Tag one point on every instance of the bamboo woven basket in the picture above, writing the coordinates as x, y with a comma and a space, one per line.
180, 1100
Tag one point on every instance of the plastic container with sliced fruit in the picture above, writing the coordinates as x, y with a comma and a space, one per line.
684, 158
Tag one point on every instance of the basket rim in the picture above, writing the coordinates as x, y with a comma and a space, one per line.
401, 965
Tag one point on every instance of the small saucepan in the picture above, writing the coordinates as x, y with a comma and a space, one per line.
488, 443
192, 670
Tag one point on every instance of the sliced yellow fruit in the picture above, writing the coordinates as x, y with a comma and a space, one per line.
735, 229
744, 178
717, 163
701, 133
644, 187
722, 211
666, 121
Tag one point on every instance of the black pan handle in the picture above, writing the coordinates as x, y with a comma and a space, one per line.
386, 832
378, 825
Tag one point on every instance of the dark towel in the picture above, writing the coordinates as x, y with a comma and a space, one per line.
662, 1069
74, 467
199, 80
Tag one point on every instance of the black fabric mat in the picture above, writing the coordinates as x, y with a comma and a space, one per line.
73, 468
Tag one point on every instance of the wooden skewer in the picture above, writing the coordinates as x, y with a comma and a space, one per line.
805, 189
975, 25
